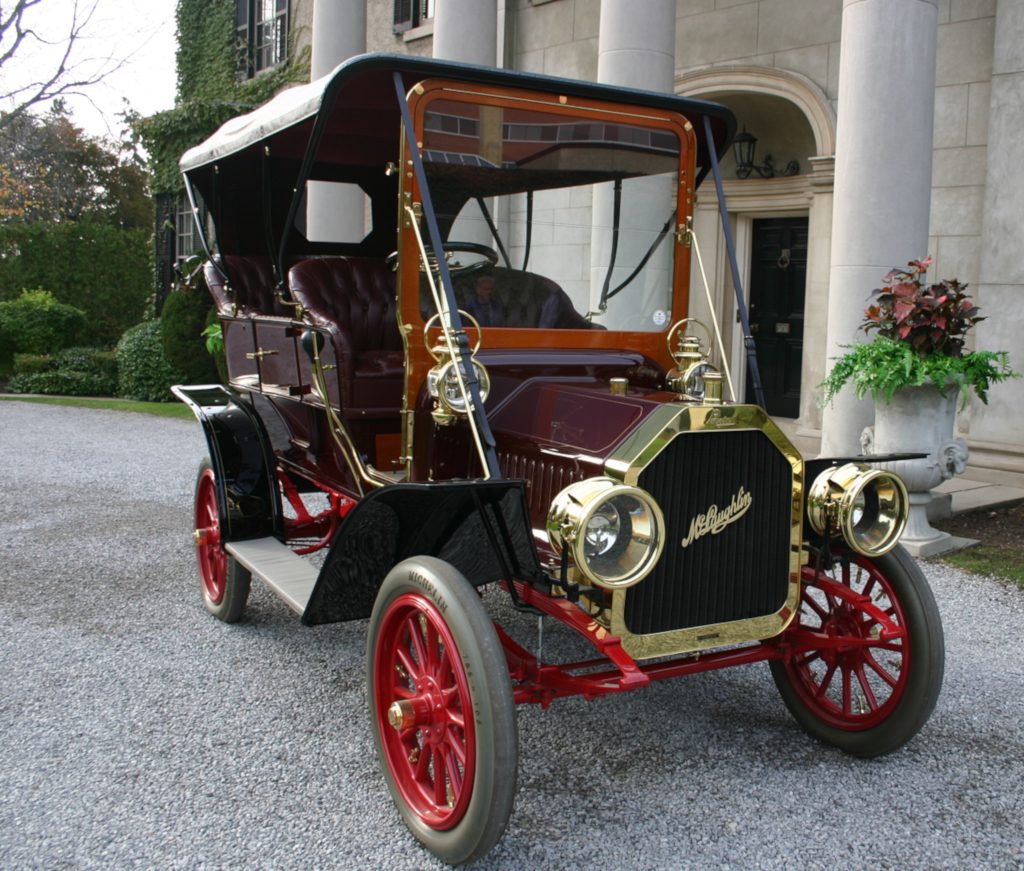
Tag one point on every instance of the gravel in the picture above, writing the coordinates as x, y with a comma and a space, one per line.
138, 732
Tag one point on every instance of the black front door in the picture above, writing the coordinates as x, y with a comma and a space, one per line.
778, 271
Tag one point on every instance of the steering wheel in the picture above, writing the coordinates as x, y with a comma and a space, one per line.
489, 255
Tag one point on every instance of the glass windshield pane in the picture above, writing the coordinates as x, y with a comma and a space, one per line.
579, 214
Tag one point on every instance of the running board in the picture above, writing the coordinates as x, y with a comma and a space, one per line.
286, 573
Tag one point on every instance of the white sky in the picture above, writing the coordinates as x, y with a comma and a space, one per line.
139, 32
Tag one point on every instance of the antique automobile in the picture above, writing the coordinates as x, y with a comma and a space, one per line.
456, 310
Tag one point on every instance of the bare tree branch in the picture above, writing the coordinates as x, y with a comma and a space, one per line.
67, 74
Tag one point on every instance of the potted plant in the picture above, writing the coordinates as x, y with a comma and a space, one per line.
917, 365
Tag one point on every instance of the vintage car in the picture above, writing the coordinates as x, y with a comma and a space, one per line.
455, 306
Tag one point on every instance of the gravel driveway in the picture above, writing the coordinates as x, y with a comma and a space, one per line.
137, 732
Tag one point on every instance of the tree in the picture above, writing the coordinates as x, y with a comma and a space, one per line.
75, 219
51, 171
29, 83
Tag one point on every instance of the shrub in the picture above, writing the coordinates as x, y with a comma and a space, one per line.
71, 372
182, 322
36, 323
144, 372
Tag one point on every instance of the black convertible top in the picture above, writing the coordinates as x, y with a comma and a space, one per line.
346, 125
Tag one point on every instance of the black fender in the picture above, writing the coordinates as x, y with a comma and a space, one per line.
243, 462
482, 528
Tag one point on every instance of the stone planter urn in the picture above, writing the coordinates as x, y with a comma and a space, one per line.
919, 420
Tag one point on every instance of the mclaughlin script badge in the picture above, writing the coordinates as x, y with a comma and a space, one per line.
715, 519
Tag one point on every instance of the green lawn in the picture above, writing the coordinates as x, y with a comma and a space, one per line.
994, 560
162, 409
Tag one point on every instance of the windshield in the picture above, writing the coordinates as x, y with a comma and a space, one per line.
564, 220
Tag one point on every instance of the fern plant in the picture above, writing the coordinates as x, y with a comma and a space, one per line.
920, 340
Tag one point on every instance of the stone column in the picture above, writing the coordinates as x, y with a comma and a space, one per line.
636, 49
467, 30
883, 173
819, 230
636, 44
1001, 290
339, 32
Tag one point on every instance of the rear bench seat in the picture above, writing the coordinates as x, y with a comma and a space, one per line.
249, 286
353, 299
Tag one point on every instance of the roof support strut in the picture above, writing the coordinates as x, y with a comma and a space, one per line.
730, 245
476, 409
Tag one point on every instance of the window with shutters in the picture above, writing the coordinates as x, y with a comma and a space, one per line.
261, 34
412, 13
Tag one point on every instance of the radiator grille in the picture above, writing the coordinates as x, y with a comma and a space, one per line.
545, 478
738, 573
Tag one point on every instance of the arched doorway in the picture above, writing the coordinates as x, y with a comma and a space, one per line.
782, 227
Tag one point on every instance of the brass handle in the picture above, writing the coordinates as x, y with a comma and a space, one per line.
257, 355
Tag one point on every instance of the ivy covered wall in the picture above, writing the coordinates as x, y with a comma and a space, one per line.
209, 90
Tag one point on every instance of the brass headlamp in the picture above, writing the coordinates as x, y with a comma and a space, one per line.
614, 532
867, 507
693, 377
446, 381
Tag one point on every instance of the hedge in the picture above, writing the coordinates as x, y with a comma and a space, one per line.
71, 372
105, 271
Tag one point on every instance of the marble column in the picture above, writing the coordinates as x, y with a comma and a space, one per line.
635, 49
339, 32
883, 174
1001, 286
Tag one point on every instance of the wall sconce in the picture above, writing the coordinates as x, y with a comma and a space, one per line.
743, 148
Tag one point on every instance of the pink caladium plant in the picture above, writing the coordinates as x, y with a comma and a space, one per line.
930, 318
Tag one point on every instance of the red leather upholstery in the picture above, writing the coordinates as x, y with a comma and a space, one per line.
250, 286
353, 298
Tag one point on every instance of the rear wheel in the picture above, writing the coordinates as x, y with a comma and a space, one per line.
441, 709
865, 655
224, 583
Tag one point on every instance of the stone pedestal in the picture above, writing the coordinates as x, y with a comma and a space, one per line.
920, 420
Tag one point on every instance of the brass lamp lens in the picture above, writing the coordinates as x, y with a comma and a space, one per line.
878, 515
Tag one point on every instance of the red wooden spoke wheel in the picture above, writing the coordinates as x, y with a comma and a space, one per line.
422, 700
225, 584
441, 707
213, 561
864, 656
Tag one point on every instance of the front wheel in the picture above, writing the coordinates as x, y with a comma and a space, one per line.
865, 655
441, 709
223, 581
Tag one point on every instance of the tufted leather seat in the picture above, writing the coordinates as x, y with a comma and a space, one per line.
250, 286
353, 299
